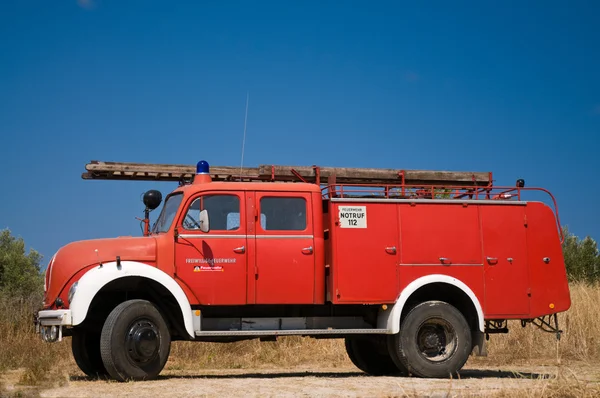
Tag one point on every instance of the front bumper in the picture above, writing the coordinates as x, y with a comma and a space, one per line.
49, 323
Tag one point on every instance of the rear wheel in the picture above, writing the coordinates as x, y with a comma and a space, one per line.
85, 345
434, 340
369, 354
135, 341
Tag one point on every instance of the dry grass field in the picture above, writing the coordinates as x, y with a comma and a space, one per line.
569, 368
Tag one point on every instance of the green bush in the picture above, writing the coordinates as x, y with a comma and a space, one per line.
582, 258
20, 274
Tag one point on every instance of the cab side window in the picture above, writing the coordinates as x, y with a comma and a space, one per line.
282, 214
223, 212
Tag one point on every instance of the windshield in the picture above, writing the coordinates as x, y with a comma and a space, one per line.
163, 223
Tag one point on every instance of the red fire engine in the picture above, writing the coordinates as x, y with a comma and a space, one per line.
413, 269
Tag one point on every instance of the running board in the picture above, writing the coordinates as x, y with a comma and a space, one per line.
297, 332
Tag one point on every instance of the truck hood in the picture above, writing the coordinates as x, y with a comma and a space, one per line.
72, 259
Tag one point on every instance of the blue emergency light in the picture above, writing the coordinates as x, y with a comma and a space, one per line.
202, 167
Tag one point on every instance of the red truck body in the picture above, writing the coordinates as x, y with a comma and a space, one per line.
280, 254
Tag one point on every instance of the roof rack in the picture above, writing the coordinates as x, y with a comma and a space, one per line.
99, 170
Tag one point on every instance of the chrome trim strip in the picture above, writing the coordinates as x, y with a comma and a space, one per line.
206, 236
446, 201
224, 236
284, 236
441, 265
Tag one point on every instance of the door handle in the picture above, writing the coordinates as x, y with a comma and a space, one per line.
445, 260
390, 250
492, 260
307, 250
240, 250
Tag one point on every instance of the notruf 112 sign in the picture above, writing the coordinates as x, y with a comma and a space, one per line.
353, 216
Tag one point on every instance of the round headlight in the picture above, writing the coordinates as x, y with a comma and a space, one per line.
49, 333
53, 334
72, 291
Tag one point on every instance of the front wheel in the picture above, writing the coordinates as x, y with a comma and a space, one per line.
369, 354
135, 341
434, 340
85, 345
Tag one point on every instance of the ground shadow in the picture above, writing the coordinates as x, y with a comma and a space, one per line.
464, 374
276, 375
500, 374
279, 375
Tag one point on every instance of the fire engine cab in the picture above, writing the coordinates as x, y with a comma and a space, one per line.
413, 269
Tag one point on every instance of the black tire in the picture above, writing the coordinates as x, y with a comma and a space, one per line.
390, 340
85, 345
434, 340
135, 341
369, 354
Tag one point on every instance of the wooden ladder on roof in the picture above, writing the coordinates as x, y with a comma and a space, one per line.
100, 170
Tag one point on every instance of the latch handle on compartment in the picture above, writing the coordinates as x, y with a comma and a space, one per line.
390, 250
492, 260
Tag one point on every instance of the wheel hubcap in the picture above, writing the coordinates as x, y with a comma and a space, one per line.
143, 341
436, 340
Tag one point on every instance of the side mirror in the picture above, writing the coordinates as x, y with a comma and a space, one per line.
204, 223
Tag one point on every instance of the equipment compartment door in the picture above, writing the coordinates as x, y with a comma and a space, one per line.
213, 264
285, 260
366, 253
505, 260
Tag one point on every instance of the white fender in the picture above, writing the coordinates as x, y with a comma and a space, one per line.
390, 319
96, 278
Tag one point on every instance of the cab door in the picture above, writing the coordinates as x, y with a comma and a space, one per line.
285, 261
213, 265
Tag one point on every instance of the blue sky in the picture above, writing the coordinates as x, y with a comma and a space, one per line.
510, 87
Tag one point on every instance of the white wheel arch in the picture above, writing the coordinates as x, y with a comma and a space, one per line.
96, 278
390, 318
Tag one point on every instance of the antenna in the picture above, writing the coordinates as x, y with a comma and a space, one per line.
244, 139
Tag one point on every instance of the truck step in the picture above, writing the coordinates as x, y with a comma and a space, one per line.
296, 332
